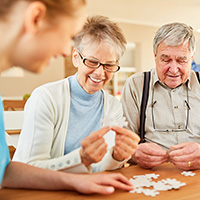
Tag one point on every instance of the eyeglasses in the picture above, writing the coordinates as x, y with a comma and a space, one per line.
171, 130
93, 63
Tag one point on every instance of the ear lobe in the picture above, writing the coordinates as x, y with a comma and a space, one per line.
75, 58
35, 14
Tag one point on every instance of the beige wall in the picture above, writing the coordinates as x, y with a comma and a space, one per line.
19, 86
142, 36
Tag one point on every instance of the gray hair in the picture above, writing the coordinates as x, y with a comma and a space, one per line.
99, 29
174, 34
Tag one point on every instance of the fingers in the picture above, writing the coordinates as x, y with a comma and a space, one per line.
149, 161
116, 180
100, 189
151, 149
94, 153
98, 134
94, 147
186, 156
103, 183
149, 155
126, 132
184, 149
126, 143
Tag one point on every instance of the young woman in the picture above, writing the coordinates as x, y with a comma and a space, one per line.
62, 129
31, 33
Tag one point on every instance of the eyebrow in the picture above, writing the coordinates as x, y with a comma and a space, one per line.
164, 56
180, 57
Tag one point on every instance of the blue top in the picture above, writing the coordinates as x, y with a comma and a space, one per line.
195, 67
4, 153
86, 110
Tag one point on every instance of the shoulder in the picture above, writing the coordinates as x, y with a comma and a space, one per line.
134, 84
110, 98
194, 76
53, 88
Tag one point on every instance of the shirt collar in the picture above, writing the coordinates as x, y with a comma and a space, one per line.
156, 80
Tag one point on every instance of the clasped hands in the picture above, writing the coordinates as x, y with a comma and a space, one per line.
185, 156
94, 147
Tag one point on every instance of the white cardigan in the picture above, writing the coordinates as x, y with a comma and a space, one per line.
41, 142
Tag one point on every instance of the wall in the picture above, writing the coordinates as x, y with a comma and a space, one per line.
10, 86
142, 36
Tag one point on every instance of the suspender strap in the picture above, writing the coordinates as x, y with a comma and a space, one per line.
145, 95
197, 74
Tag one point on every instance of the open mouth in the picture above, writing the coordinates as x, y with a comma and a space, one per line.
95, 80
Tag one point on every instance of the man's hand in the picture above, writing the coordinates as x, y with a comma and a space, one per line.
149, 155
100, 183
126, 142
94, 147
186, 156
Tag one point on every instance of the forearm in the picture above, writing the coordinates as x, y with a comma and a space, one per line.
19, 175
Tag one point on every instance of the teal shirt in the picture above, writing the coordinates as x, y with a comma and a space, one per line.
4, 153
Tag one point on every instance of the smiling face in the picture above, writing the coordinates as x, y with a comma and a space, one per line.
173, 64
93, 80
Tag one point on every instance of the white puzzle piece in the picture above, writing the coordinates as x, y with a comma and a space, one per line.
142, 182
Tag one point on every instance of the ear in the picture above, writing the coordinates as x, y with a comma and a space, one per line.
34, 16
75, 57
154, 53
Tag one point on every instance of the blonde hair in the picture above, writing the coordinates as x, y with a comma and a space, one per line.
54, 7
99, 29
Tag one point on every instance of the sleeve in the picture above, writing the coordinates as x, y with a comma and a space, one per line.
131, 103
38, 136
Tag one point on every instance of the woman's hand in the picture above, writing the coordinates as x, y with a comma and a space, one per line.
94, 147
126, 143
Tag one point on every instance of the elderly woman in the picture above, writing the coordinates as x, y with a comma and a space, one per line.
47, 26
62, 128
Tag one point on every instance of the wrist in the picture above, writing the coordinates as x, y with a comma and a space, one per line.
83, 159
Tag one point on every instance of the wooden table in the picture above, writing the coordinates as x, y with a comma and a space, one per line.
189, 192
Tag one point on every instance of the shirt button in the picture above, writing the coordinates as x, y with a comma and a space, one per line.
175, 107
179, 126
75, 160
52, 166
68, 162
60, 164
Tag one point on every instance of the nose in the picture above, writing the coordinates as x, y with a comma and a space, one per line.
174, 67
100, 70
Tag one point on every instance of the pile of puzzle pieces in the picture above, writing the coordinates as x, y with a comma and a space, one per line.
141, 183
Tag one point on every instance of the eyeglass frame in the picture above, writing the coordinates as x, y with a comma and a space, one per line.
99, 63
171, 130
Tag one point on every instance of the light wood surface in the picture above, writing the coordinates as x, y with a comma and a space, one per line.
189, 192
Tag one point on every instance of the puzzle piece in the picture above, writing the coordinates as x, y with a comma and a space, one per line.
109, 121
188, 173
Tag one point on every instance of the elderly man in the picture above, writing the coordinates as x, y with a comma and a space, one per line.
172, 112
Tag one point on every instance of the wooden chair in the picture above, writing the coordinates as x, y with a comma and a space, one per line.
14, 105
